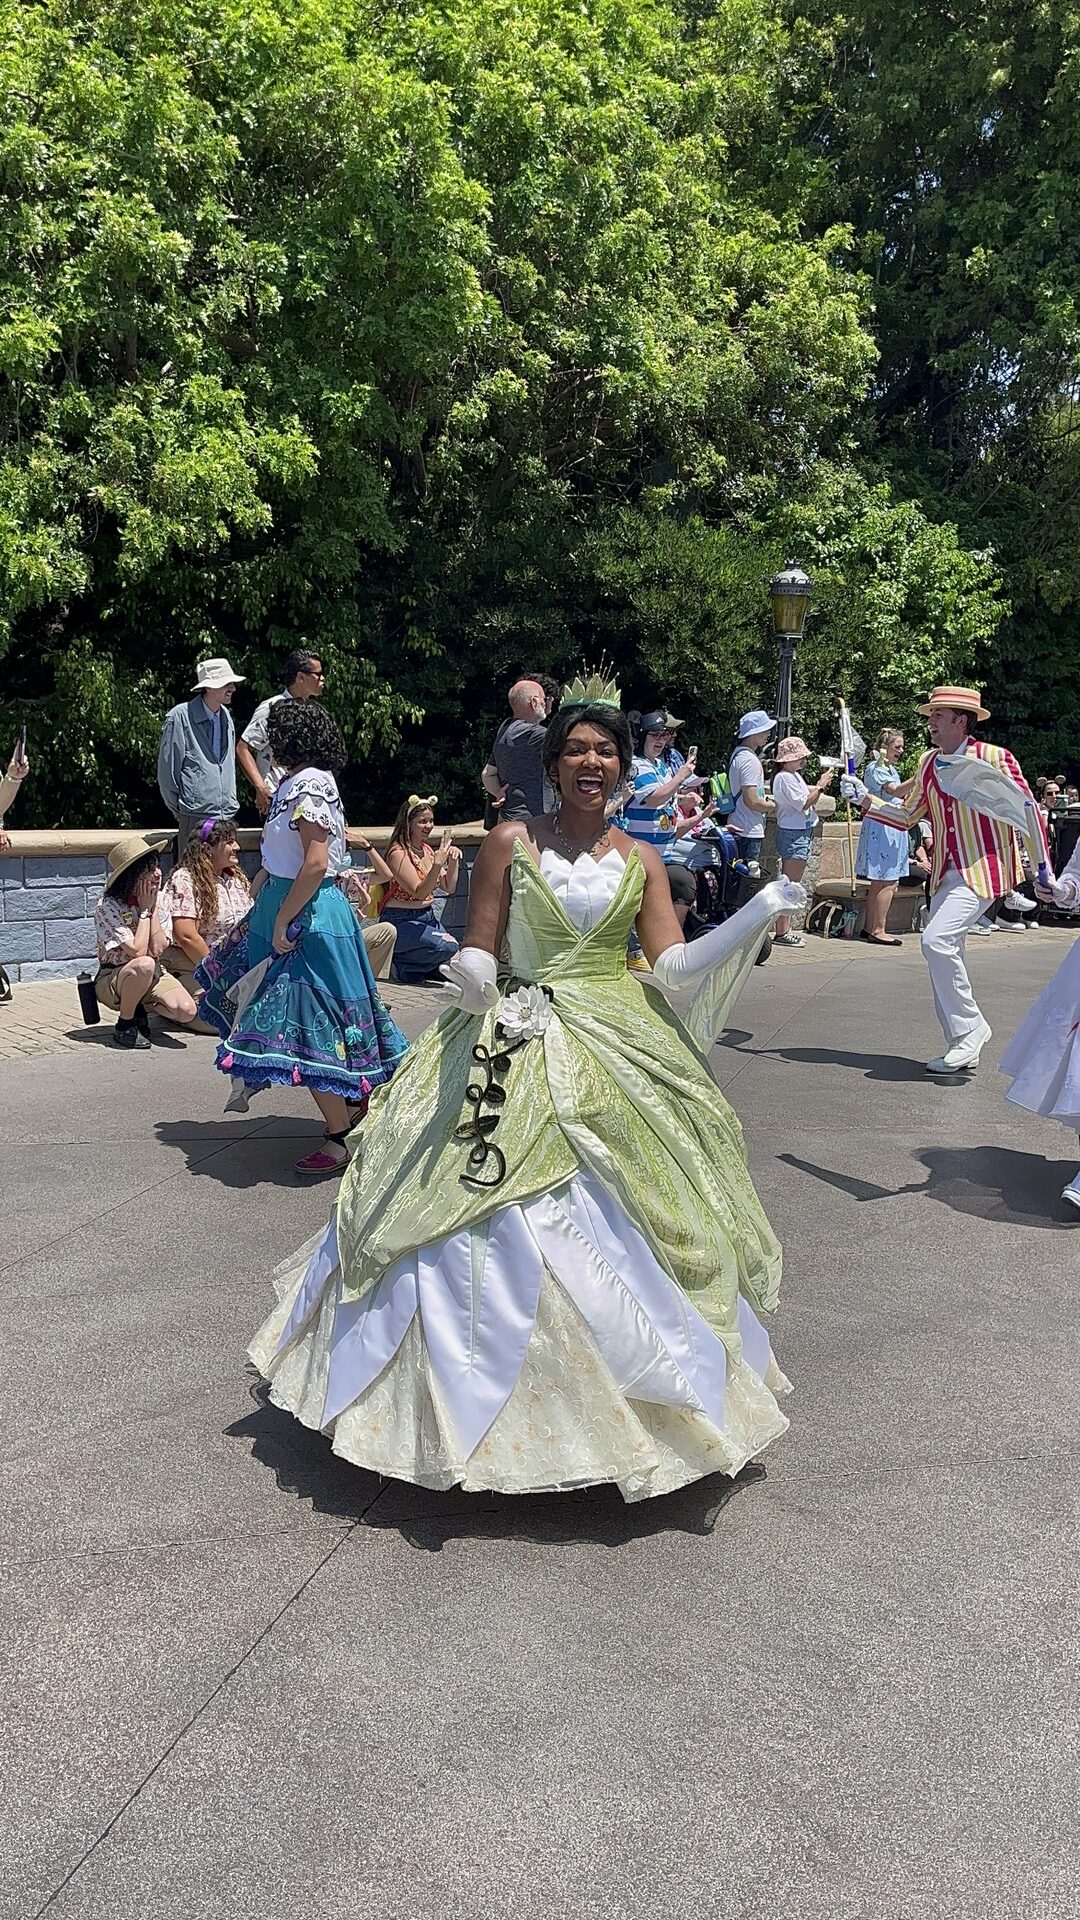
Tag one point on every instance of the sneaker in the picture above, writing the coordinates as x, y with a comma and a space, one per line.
126, 1034
1071, 1193
788, 940
963, 1055
637, 963
1019, 903
1010, 926
981, 927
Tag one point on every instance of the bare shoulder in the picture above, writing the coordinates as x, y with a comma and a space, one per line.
650, 859
497, 848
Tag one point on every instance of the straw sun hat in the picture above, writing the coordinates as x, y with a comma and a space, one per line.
961, 699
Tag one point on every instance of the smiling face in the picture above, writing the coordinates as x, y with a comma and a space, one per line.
948, 729
655, 743
588, 767
420, 825
225, 856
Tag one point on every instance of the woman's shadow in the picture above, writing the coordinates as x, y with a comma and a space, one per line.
304, 1465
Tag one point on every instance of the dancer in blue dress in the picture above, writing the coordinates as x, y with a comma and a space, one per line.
882, 856
291, 989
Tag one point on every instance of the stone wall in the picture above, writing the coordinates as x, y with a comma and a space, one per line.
50, 883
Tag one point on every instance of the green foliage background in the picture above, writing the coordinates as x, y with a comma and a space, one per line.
458, 338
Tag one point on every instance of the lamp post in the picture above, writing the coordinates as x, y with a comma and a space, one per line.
789, 593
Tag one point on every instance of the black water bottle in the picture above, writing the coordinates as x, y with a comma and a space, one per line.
88, 1000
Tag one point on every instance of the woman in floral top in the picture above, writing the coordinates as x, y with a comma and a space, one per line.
205, 896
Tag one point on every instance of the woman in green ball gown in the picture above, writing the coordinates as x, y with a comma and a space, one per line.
547, 1262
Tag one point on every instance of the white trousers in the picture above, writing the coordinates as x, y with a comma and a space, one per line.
954, 909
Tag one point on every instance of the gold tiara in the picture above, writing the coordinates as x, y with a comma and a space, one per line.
593, 692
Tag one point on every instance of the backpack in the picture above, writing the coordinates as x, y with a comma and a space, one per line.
722, 796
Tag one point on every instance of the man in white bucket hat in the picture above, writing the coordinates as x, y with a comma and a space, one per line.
196, 759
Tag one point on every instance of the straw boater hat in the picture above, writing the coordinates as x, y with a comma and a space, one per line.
792, 748
128, 852
961, 699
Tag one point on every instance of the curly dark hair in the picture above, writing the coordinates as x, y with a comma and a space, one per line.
302, 734
562, 724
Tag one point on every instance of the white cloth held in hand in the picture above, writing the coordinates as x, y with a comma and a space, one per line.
471, 978
691, 959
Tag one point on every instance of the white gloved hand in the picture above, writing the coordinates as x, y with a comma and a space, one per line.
688, 961
784, 895
1064, 892
471, 978
852, 788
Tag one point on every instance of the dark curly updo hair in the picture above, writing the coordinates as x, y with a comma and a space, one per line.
562, 725
302, 734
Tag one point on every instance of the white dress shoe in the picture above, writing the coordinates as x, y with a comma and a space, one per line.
963, 1055
1071, 1193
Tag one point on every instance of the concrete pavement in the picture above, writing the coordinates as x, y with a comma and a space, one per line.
246, 1679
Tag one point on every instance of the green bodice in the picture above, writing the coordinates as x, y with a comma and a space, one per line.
614, 1085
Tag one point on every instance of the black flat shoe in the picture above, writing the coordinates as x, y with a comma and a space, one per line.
873, 941
127, 1035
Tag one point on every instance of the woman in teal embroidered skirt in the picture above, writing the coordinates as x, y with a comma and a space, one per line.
291, 990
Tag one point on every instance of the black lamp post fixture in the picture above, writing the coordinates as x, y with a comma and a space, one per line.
790, 593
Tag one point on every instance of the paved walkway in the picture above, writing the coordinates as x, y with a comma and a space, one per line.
243, 1679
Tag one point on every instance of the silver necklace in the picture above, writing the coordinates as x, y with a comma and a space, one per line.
602, 840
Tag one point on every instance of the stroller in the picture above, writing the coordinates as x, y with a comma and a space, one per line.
723, 884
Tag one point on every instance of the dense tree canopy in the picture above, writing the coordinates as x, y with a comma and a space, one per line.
458, 338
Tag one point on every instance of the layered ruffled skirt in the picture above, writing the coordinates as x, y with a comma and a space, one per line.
310, 1018
541, 1350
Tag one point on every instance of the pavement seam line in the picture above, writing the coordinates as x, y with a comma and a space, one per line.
155, 1186
190, 1722
748, 1059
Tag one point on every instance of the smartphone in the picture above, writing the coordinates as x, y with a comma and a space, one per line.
22, 745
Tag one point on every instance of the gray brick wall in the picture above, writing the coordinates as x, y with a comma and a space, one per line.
47, 906
46, 915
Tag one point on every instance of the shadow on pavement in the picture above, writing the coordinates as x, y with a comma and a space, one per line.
989, 1183
873, 1066
102, 1036
304, 1465
211, 1151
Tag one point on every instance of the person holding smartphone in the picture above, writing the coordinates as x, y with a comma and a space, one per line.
17, 770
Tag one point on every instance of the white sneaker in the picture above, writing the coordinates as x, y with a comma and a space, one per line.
1010, 926
1019, 903
963, 1055
1071, 1193
980, 927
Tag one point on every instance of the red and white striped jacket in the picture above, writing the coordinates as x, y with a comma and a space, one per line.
982, 850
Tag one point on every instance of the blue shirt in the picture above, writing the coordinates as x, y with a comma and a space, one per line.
645, 820
216, 717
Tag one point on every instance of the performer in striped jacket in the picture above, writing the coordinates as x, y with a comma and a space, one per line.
975, 860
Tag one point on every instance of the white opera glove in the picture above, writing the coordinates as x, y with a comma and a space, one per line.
852, 788
678, 965
471, 978
1064, 891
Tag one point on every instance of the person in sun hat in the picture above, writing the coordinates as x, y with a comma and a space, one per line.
197, 755
746, 777
131, 940
975, 860
795, 820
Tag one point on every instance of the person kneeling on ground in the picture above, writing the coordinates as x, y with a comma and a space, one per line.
131, 941
205, 896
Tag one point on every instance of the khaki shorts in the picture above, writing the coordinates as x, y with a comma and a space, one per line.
108, 992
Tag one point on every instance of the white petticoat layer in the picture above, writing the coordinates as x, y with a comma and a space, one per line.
1043, 1058
543, 1349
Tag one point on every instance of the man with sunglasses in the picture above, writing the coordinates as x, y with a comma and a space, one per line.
304, 680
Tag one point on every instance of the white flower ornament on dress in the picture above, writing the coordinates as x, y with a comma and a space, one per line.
525, 1014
